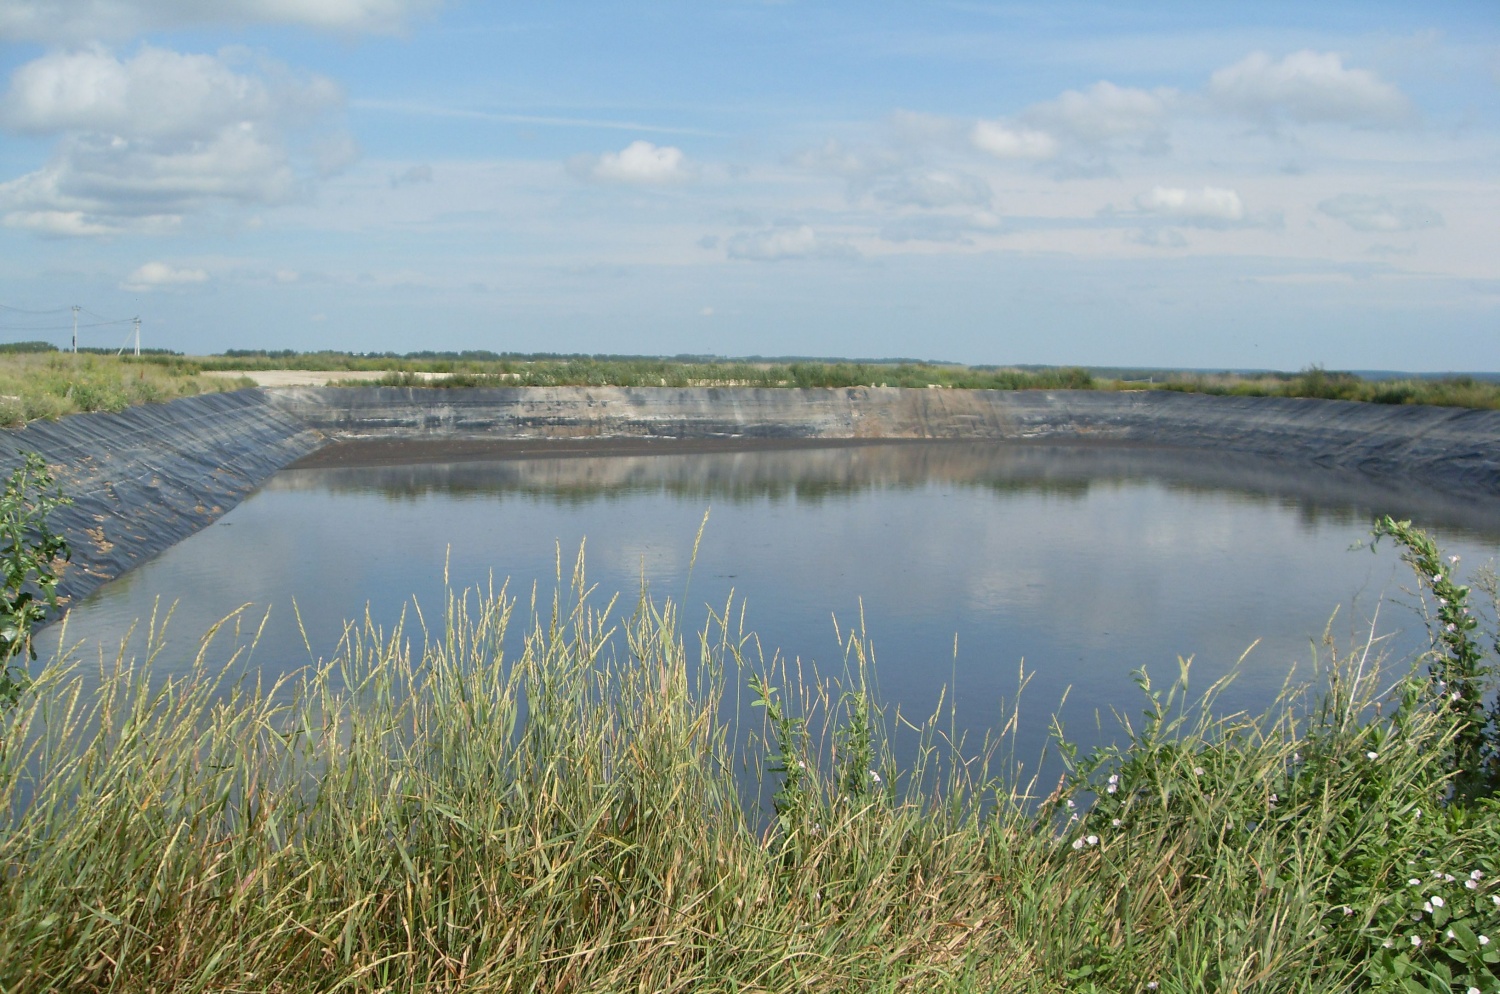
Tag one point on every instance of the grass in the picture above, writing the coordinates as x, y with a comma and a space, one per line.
1315, 382
424, 814
51, 384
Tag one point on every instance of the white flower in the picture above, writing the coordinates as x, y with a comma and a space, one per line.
1427, 906
1416, 940
1348, 911
1272, 800
1437, 902
1077, 843
1387, 944
1449, 933
1414, 882
1453, 560
1496, 899
1372, 755
1471, 884
1475, 875
1484, 940
1197, 771
1472, 990
1296, 757
1448, 878
1116, 822
1092, 840
1151, 985
875, 776
1071, 805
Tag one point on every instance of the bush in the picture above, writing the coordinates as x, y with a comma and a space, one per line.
29, 553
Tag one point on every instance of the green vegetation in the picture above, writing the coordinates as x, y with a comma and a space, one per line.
424, 814
29, 552
51, 384
473, 369
667, 373
1455, 391
47, 384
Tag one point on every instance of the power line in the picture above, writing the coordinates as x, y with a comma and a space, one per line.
22, 310
100, 322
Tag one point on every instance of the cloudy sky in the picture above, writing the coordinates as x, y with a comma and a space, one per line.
1224, 185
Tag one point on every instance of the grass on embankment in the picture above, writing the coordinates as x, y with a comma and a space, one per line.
423, 815
458, 371
51, 384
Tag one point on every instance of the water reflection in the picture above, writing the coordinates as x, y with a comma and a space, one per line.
965, 560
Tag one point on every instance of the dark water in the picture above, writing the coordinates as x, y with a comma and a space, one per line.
1080, 564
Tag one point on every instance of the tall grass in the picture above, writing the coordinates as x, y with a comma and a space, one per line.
1315, 382
50, 385
424, 813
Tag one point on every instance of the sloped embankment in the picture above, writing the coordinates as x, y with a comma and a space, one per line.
146, 478
1448, 449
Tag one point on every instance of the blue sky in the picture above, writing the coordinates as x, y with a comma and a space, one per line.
1200, 185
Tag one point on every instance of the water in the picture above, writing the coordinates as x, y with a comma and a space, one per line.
967, 562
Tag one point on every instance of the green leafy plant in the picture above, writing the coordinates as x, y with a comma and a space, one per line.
29, 554
1460, 675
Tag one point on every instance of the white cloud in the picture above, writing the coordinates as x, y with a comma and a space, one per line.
1307, 87
82, 20
1106, 114
149, 140
641, 162
785, 242
421, 173
857, 165
159, 275
935, 189
1365, 213
1005, 141
950, 228
1210, 205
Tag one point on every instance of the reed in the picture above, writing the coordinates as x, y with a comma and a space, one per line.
424, 812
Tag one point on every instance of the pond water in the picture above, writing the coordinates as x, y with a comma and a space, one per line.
967, 561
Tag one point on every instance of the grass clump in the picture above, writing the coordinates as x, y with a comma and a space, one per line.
1318, 383
426, 813
51, 384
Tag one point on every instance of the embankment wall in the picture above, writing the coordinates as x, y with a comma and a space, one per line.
146, 478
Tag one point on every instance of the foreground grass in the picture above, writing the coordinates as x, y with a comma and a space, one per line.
52, 384
422, 814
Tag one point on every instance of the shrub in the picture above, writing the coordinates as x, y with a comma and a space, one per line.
29, 553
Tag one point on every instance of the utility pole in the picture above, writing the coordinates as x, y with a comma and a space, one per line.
75, 329
137, 338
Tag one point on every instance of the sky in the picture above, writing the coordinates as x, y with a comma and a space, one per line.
1200, 185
